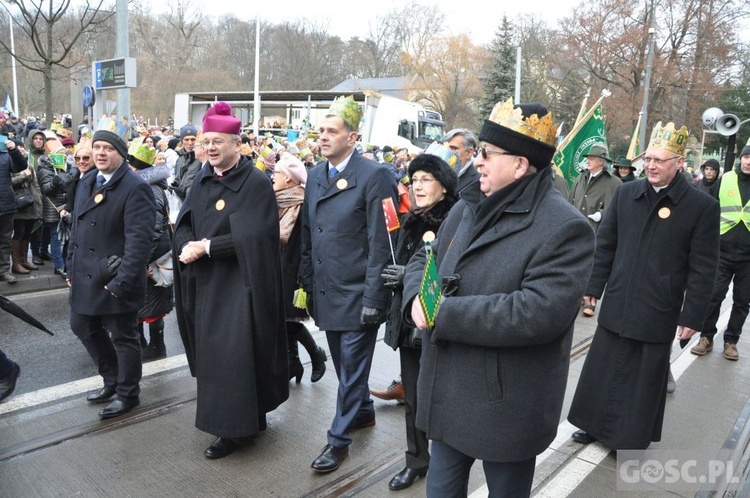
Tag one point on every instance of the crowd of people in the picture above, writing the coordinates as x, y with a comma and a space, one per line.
248, 237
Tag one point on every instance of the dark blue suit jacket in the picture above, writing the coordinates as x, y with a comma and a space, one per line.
116, 220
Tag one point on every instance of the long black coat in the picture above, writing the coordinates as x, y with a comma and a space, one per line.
413, 228
345, 241
10, 162
494, 370
290, 258
116, 220
228, 304
54, 187
159, 300
658, 261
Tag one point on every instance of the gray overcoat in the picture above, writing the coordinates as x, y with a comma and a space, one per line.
494, 371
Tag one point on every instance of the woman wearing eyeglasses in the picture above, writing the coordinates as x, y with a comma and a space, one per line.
433, 185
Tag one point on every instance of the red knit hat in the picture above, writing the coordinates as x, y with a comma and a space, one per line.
219, 119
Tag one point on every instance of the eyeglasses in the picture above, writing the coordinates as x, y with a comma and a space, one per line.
657, 161
422, 181
82, 158
486, 153
218, 142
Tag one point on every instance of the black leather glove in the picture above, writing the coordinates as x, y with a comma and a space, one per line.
371, 317
393, 276
310, 307
113, 264
57, 181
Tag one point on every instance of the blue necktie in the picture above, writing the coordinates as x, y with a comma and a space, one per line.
99, 181
332, 171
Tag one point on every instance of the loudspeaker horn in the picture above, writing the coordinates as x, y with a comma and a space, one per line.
710, 116
728, 124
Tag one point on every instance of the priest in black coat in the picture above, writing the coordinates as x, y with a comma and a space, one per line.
657, 251
228, 290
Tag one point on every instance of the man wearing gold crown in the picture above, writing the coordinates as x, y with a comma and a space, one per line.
344, 249
514, 263
656, 253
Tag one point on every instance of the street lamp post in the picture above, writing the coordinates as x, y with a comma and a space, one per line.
13, 61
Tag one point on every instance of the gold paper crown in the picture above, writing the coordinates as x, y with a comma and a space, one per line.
142, 152
668, 138
541, 129
347, 109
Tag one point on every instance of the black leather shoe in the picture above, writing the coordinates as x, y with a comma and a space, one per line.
8, 383
103, 395
220, 448
406, 478
362, 422
37, 260
118, 407
330, 459
583, 437
45, 256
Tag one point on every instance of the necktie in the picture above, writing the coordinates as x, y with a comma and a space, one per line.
332, 171
99, 181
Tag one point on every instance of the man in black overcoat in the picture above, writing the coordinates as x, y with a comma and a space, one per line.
344, 249
110, 241
228, 292
656, 252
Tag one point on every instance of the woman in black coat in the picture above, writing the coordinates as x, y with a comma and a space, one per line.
288, 178
159, 299
434, 186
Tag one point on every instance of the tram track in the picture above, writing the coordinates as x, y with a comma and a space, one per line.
346, 485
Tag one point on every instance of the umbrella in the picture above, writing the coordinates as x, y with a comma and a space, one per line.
16, 310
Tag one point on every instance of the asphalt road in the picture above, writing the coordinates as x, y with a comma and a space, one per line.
48, 361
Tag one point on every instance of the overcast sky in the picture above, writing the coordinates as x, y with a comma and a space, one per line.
347, 18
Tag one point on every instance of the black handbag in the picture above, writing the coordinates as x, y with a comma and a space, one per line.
24, 200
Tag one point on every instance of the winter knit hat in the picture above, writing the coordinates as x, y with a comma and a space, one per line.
439, 169
713, 163
112, 139
188, 131
292, 167
745, 150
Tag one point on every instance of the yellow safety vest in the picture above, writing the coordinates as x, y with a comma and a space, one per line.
732, 210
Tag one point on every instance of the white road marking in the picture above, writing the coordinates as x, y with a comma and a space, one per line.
577, 469
83, 385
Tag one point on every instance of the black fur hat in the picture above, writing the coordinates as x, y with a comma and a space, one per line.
437, 168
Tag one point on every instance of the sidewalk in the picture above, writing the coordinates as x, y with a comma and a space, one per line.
38, 280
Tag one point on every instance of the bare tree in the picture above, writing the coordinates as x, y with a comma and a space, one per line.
53, 35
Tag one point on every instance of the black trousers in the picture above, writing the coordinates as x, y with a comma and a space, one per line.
417, 446
739, 272
117, 358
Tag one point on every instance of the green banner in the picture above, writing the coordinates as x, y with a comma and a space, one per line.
430, 292
57, 160
569, 157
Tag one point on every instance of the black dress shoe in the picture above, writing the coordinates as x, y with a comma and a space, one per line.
118, 407
362, 422
330, 459
221, 447
406, 478
103, 395
8, 383
45, 256
583, 437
